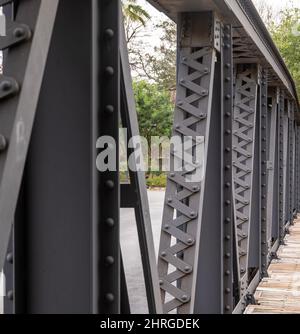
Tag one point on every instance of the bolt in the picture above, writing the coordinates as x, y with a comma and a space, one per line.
109, 33
10, 295
110, 184
10, 258
110, 222
19, 32
190, 241
109, 260
109, 71
187, 269
184, 298
3, 143
109, 297
6, 85
109, 109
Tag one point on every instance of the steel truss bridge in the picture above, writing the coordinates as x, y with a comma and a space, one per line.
66, 82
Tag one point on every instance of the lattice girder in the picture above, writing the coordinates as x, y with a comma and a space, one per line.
182, 213
245, 106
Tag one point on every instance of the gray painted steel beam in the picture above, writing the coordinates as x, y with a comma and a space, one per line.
23, 109
182, 226
106, 292
227, 221
142, 212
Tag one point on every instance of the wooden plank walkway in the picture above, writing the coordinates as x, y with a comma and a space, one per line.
280, 292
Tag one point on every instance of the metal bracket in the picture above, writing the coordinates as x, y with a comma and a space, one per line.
16, 33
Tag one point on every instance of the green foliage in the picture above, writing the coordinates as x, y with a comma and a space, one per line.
286, 35
157, 181
154, 109
135, 13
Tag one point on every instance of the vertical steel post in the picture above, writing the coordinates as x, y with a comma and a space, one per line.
281, 168
227, 223
272, 206
184, 217
263, 173
106, 192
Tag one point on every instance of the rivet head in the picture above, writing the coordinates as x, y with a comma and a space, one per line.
190, 241
227, 290
10, 295
109, 260
195, 188
3, 143
184, 298
227, 272
172, 174
109, 297
169, 200
109, 33
193, 214
109, 184
227, 308
110, 222
109, 109
19, 32
10, 258
187, 269
167, 227
163, 254
6, 86
161, 282
109, 71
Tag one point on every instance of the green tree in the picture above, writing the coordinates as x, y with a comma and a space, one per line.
155, 112
154, 109
286, 35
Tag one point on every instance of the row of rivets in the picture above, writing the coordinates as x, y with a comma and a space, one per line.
227, 173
